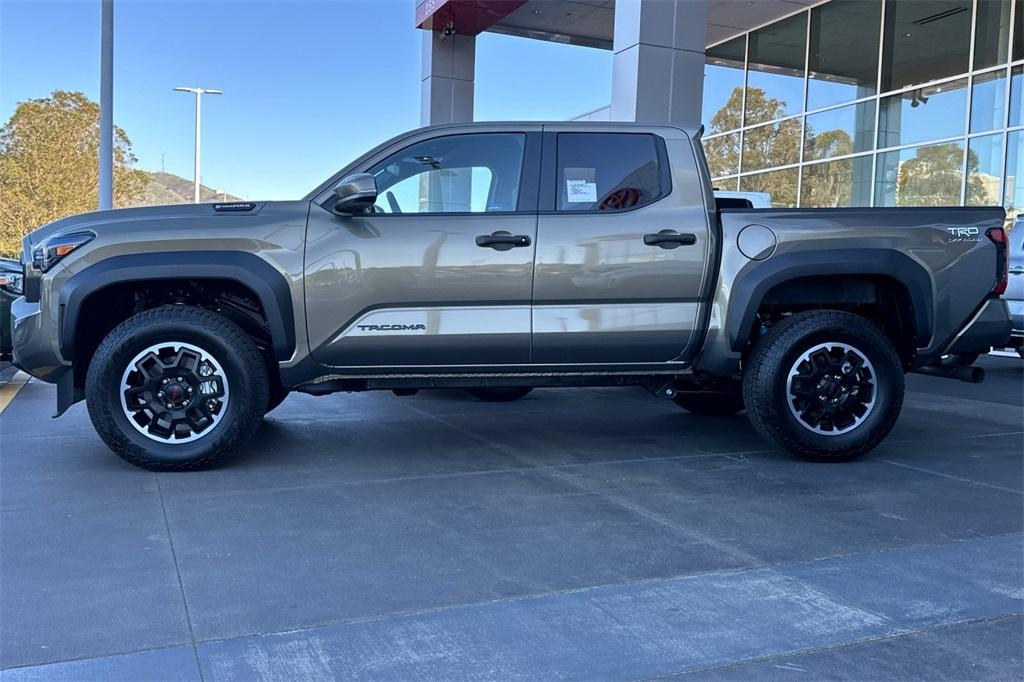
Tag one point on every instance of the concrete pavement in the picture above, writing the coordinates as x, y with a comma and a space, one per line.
599, 534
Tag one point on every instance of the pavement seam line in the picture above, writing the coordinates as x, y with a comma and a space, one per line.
949, 476
527, 466
177, 573
471, 434
756, 563
529, 597
667, 676
896, 634
734, 552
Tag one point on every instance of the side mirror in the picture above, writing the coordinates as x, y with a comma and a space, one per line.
355, 193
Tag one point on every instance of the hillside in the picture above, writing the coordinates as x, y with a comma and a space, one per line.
167, 188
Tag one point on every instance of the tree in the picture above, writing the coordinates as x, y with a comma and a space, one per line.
774, 144
828, 184
49, 151
933, 177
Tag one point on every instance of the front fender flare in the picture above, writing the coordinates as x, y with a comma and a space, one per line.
269, 285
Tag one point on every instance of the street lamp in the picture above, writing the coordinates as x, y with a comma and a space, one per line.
199, 92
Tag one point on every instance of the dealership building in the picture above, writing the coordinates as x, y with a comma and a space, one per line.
835, 103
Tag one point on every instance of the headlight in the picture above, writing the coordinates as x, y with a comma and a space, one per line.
51, 250
12, 283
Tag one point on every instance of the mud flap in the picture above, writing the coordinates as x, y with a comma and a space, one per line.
67, 394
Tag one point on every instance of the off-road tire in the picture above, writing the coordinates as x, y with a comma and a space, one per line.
767, 370
711, 404
499, 394
244, 370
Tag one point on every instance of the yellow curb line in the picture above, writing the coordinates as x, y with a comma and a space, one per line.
11, 388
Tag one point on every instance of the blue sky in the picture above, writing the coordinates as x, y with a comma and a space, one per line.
308, 85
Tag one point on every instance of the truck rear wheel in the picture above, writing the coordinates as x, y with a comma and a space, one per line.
825, 385
176, 388
499, 394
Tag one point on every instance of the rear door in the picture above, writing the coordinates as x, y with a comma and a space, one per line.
622, 246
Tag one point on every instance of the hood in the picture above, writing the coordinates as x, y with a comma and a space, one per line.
95, 220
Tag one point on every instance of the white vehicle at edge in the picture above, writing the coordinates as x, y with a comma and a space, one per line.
754, 199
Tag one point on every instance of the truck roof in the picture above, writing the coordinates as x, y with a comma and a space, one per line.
691, 130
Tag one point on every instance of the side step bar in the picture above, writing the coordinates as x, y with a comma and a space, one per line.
972, 374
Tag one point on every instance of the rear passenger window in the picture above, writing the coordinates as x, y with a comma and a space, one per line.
607, 171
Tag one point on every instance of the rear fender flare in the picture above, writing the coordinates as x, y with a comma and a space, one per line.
754, 282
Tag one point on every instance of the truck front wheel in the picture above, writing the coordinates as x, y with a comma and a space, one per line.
825, 385
176, 388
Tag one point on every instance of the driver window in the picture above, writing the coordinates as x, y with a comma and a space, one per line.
474, 173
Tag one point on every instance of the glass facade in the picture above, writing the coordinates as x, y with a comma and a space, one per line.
873, 103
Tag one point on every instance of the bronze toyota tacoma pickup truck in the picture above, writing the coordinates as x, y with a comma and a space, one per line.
499, 258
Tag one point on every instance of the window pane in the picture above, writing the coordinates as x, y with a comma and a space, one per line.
988, 100
781, 184
992, 33
1018, 31
775, 144
925, 40
923, 114
837, 183
476, 173
844, 52
1016, 94
606, 171
775, 78
984, 167
722, 108
1013, 193
723, 154
836, 132
920, 176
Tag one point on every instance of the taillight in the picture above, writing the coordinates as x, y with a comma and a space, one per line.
998, 237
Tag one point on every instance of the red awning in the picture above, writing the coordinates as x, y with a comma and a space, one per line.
465, 17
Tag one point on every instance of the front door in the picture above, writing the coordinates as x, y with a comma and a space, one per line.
440, 272
622, 247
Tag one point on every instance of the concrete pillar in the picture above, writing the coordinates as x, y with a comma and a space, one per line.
658, 67
448, 69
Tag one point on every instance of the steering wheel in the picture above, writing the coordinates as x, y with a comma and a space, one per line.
392, 202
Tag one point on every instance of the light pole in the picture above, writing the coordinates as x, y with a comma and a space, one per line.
105, 188
199, 92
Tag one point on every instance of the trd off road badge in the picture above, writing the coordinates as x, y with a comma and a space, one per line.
963, 234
